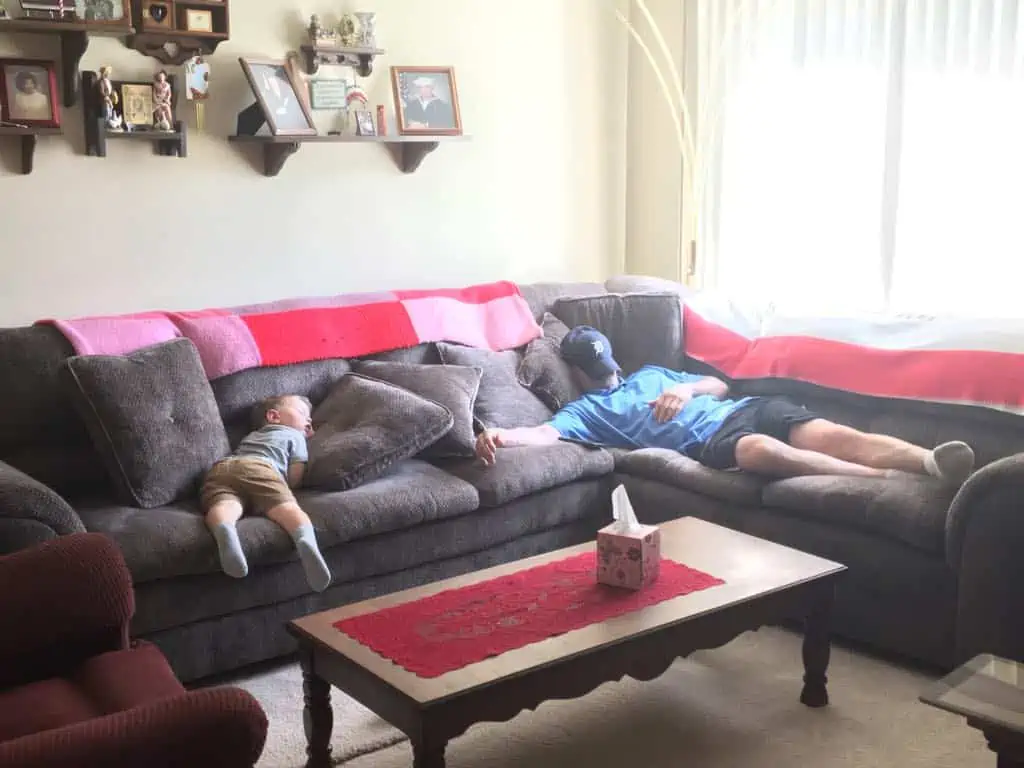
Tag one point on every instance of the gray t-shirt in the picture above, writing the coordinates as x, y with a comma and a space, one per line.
277, 445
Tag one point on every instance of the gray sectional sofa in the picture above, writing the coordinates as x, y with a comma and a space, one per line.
933, 576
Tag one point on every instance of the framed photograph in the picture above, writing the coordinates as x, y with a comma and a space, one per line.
364, 123
278, 96
137, 105
198, 21
426, 101
327, 93
103, 11
28, 93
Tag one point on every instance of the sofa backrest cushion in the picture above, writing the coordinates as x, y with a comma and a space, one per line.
644, 328
152, 417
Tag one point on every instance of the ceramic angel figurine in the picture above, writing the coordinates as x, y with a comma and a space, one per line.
163, 116
108, 99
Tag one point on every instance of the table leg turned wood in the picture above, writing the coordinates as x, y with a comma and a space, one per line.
427, 755
317, 715
817, 647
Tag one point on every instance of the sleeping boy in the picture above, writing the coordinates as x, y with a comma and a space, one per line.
260, 474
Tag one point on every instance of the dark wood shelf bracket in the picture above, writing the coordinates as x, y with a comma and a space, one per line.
173, 49
360, 59
409, 155
73, 46
28, 138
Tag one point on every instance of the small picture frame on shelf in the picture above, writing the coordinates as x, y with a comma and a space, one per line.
137, 106
278, 95
28, 93
426, 101
328, 93
197, 20
103, 12
364, 123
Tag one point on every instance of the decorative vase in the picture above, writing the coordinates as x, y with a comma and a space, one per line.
367, 28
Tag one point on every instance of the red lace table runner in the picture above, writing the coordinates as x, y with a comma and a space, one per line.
453, 629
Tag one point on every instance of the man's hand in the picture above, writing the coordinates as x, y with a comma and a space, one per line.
487, 444
671, 402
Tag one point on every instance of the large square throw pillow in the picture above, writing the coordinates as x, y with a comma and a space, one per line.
644, 328
502, 401
543, 371
453, 386
152, 417
364, 426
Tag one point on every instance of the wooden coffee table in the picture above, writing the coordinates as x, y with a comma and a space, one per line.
765, 583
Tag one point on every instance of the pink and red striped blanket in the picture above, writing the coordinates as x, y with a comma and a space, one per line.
492, 316
940, 359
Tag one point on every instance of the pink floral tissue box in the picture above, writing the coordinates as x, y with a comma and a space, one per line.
629, 558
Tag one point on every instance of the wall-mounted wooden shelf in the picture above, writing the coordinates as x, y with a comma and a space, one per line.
167, 143
28, 138
169, 40
407, 151
74, 41
360, 59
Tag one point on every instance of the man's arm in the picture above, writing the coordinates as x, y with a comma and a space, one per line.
668, 405
490, 440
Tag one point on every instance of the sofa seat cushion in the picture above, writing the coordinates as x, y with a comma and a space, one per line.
904, 507
173, 541
108, 683
672, 468
522, 471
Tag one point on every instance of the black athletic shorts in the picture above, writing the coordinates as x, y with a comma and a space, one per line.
772, 416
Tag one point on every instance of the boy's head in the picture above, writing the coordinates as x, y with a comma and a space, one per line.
288, 410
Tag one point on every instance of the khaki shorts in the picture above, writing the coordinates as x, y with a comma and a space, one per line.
253, 482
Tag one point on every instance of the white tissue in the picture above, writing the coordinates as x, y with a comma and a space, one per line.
622, 511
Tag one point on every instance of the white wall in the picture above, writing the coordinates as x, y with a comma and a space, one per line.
538, 193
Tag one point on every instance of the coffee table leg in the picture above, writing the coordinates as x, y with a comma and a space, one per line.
427, 754
317, 716
817, 648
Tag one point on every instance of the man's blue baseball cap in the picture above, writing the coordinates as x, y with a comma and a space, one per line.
589, 350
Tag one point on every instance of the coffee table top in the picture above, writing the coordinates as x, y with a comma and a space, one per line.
751, 568
987, 688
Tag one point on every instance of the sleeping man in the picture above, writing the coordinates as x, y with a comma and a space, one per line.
659, 408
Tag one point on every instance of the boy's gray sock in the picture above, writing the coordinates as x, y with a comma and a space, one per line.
317, 573
232, 558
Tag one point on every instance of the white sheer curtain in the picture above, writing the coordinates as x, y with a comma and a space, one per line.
863, 155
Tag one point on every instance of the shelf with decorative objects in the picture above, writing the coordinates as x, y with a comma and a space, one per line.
74, 41
174, 31
360, 59
28, 137
408, 152
352, 43
147, 112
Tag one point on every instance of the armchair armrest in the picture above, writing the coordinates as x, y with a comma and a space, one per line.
23, 498
62, 602
215, 727
985, 549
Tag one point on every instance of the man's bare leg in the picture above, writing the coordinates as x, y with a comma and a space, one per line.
767, 456
952, 462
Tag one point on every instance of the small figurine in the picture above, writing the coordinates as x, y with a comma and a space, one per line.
108, 99
367, 29
348, 31
163, 116
315, 29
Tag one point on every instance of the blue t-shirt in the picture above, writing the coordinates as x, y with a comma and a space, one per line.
278, 445
622, 417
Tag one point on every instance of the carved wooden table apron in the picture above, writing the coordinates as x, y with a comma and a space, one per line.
765, 583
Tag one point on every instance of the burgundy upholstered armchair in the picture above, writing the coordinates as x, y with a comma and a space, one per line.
75, 692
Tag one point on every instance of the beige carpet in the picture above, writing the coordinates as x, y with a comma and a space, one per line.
731, 707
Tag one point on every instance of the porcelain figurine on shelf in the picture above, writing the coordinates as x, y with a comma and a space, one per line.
163, 116
108, 100
367, 28
348, 30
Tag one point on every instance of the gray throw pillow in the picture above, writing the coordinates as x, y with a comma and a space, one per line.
453, 386
543, 371
364, 426
644, 328
152, 417
502, 401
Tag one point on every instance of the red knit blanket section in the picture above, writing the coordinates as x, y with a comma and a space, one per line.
453, 629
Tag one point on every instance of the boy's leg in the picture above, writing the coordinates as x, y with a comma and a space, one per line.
951, 462
221, 517
297, 523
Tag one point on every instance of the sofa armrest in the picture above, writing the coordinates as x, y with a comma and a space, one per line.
62, 602
985, 548
24, 498
213, 727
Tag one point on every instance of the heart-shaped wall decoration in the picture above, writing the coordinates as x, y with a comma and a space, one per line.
158, 12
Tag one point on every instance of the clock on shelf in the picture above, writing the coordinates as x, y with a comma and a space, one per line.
174, 31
